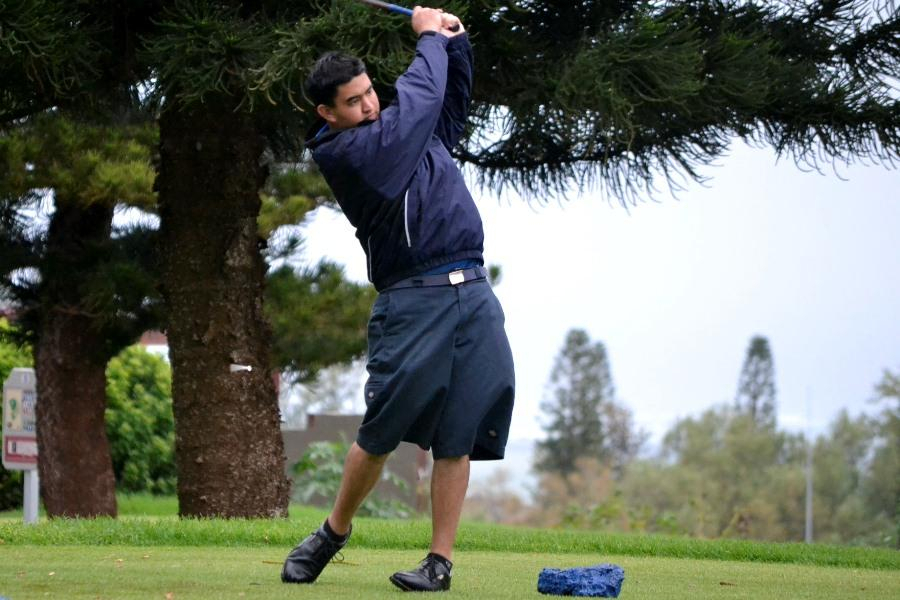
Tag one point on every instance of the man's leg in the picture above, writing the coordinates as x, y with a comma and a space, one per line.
449, 481
361, 472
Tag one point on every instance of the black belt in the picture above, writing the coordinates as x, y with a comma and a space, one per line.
452, 278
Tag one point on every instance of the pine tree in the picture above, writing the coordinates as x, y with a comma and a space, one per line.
584, 418
318, 316
83, 290
616, 94
580, 384
756, 388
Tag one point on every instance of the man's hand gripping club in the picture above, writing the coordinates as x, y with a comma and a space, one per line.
435, 19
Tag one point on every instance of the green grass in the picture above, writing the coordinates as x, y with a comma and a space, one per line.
149, 553
253, 573
128, 504
415, 533
147, 505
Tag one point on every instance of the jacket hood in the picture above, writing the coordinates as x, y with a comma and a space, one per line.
312, 134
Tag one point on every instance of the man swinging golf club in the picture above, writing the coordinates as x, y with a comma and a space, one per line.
439, 363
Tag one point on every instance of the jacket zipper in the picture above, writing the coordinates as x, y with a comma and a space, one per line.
369, 257
406, 217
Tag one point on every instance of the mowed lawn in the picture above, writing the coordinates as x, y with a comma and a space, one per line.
167, 558
206, 573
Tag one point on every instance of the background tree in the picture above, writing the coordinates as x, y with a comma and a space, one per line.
623, 439
580, 383
882, 482
732, 461
720, 474
756, 387
584, 418
318, 317
841, 460
580, 499
83, 290
131, 283
618, 93
494, 500
614, 93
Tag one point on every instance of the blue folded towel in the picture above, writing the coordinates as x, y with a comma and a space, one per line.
600, 580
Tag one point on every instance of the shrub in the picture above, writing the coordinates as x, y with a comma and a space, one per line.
139, 422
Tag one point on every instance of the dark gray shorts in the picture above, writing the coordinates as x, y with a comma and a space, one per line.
440, 372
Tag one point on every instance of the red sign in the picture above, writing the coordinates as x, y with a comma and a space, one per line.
20, 449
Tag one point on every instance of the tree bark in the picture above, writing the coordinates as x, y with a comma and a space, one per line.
230, 453
74, 464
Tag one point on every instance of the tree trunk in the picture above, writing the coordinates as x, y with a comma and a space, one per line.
230, 453
76, 472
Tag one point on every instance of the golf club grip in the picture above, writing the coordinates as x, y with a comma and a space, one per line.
394, 8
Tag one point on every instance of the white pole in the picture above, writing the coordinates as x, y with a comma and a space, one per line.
32, 493
808, 537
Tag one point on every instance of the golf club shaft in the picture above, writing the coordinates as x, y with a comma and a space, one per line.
391, 7
400, 10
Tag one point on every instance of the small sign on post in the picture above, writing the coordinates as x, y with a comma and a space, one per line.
20, 451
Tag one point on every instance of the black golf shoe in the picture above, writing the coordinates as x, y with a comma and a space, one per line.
432, 575
307, 560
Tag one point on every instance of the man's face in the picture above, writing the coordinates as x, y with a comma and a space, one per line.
354, 103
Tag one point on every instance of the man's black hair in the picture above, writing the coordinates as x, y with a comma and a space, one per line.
333, 69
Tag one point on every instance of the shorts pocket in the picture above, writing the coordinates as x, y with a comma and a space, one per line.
372, 392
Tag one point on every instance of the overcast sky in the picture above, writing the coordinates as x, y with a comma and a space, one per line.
676, 288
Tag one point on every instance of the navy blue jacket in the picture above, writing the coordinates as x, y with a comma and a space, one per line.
394, 178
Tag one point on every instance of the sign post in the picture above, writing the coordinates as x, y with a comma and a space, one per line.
20, 451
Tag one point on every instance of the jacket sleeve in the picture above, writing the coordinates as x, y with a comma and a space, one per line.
455, 107
389, 150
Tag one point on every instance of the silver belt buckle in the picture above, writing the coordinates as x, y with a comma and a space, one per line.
457, 277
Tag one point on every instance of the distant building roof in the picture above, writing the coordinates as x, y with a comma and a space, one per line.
154, 338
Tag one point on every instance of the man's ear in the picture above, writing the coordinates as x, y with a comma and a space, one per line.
326, 113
